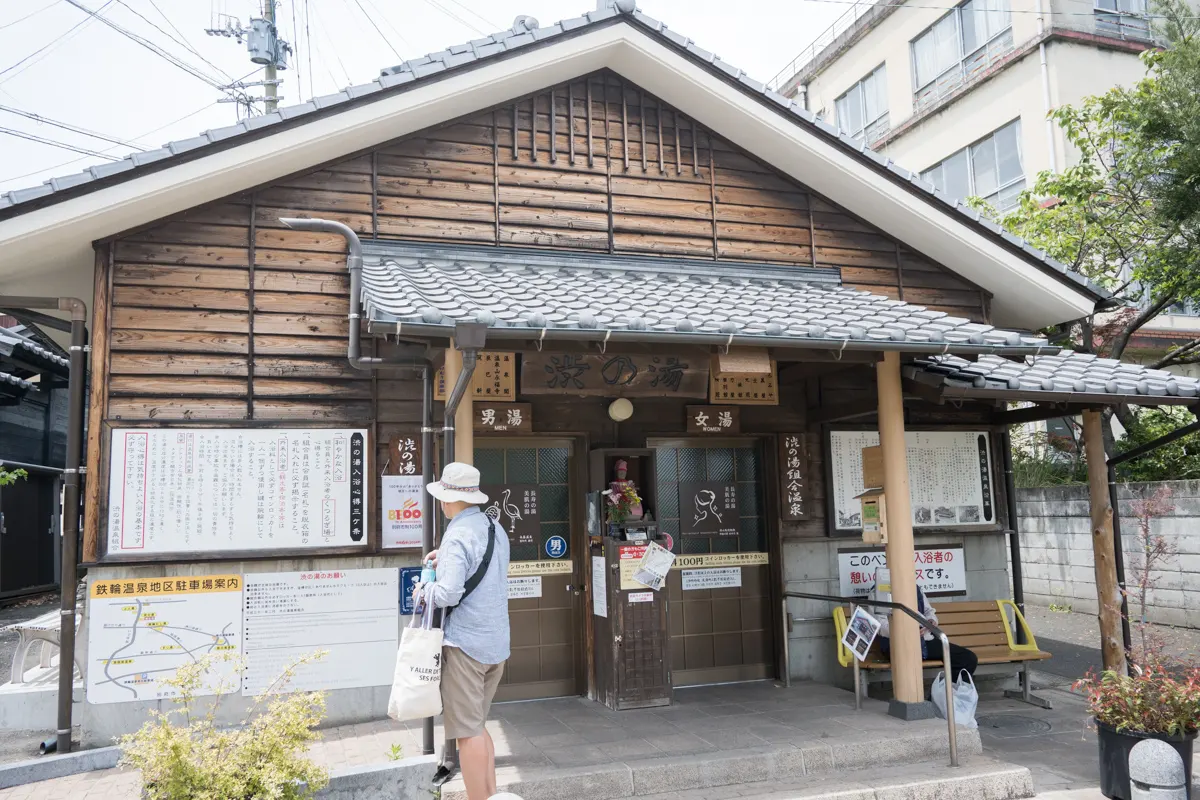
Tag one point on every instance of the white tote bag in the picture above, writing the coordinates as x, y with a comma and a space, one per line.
417, 685
966, 698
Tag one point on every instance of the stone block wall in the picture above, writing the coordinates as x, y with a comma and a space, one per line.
1059, 564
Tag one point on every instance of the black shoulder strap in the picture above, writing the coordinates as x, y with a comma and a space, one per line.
477, 578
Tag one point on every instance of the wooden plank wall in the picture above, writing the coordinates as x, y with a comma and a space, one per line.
222, 314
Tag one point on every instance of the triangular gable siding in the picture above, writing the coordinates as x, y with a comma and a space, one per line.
187, 294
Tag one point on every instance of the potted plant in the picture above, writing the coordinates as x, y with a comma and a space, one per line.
1153, 702
184, 754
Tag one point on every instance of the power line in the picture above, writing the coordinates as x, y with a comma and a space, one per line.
58, 40
153, 48
388, 22
27, 16
69, 127
451, 15
54, 143
328, 37
475, 13
181, 40
308, 51
371, 20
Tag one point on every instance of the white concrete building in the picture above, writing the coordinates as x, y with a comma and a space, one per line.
961, 93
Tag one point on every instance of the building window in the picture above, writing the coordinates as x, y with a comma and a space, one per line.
863, 110
990, 168
959, 46
1126, 19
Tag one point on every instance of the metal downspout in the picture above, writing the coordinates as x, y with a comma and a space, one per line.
1014, 541
1041, 23
70, 532
427, 445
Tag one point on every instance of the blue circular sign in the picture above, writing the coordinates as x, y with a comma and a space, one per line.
556, 547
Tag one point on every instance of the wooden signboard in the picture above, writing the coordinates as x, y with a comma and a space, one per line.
618, 375
793, 477
495, 378
404, 455
503, 417
708, 420
743, 360
745, 388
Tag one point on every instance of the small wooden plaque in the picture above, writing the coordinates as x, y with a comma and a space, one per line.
709, 420
745, 389
404, 455
495, 378
794, 493
872, 467
744, 361
492, 417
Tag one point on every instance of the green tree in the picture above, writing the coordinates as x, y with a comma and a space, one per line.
9, 477
1127, 214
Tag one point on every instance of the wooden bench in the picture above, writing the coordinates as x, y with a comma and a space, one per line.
983, 627
44, 630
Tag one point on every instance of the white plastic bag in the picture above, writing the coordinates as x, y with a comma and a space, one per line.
966, 699
417, 685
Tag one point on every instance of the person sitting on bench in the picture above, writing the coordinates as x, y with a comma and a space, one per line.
931, 647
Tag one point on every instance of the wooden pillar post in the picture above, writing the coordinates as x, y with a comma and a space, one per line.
905, 638
464, 417
1108, 592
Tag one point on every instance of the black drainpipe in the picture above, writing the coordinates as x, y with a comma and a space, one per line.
1014, 536
1119, 550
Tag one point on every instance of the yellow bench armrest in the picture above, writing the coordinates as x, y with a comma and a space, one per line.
1030, 641
845, 657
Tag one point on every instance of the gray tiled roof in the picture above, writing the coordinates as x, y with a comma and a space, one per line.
525, 33
604, 293
12, 385
1080, 375
14, 344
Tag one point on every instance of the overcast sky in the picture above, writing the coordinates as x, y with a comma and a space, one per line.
96, 78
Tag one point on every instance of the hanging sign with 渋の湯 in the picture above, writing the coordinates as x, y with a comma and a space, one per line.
614, 375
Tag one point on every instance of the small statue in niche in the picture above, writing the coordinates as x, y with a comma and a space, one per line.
624, 503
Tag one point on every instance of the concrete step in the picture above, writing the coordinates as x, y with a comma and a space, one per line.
920, 743
977, 779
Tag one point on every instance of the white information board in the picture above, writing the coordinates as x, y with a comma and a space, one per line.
351, 614
525, 588
142, 630
721, 578
401, 518
949, 477
206, 490
941, 569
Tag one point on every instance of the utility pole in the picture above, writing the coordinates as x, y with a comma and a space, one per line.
265, 47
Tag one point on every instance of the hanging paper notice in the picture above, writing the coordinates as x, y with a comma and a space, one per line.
599, 587
860, 633
207, 490
402, 510
653, 568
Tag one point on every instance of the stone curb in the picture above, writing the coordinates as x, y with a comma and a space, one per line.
58, 766
652, 776
408, 778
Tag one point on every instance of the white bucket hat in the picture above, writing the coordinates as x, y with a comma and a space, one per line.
459, 484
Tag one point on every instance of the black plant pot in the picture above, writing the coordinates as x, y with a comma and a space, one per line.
1114, 757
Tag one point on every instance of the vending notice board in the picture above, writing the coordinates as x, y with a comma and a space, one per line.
949, 476
213, 490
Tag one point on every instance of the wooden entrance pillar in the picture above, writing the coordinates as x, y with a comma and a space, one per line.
464, 417
1108, 591
905, 639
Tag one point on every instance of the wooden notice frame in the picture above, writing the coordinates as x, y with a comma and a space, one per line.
495, 378
745, 388
995, 470
369, 544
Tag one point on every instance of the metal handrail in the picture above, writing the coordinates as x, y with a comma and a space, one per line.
924, 623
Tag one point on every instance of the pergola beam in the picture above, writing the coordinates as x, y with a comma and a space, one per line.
1039, 413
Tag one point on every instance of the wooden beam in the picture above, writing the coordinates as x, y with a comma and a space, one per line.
94, 478
1108, 593
859, 408
930, 394
905, 635
1038, 413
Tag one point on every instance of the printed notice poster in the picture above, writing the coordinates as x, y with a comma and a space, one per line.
640, 597
204, 490
941, 569
721, 578
142, 630
653, 568
860, 632
525, 588
402, 510
351, 614
599, 587
949, 475
708, 508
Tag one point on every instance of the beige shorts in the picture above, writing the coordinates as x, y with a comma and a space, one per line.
467, 691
